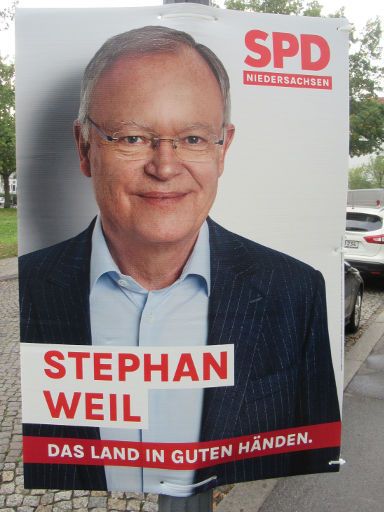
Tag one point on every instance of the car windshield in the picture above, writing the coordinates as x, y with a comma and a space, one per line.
363, 222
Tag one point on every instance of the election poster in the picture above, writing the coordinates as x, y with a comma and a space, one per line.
182, 180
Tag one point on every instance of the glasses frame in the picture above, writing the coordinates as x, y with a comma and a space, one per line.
155, 141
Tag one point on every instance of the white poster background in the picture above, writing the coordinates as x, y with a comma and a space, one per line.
285, 177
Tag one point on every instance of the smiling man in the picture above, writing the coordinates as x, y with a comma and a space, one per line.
156, 180
154, 270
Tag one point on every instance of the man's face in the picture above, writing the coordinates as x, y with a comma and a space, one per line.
160, 198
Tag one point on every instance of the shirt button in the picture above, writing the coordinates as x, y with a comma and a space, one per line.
122, 283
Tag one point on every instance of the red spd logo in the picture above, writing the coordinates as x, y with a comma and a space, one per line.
310, 50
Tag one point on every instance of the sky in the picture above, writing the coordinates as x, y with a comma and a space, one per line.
357, 11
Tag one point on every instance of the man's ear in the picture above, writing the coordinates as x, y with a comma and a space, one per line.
82, 149
229, 134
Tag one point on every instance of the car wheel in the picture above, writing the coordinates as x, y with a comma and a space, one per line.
354, 322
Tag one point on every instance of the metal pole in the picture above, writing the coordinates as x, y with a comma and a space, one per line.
202, 502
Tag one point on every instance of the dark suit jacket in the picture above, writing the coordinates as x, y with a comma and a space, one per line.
269, 305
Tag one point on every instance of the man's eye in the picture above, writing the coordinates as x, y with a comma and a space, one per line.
193, 140
134, 140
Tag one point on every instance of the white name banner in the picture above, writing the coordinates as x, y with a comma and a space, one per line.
108, 387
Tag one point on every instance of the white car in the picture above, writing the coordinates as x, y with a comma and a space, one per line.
364, 239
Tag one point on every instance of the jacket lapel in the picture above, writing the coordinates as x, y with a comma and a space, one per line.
64, 293
237, 309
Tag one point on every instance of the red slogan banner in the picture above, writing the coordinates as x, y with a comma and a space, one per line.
53, 450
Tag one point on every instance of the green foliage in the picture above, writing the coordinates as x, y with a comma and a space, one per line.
7, 111
312, 9
365, 68
7, 126
340, 13
7, 15
272, 6
370, 175
8, 233
365, 73
297, 7
357, 178
375, 171
366, 126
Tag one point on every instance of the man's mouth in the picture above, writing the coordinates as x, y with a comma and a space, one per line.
163, 197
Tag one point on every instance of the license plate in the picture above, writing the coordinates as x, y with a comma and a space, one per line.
351, 244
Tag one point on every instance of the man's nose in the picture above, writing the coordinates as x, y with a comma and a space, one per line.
164, 163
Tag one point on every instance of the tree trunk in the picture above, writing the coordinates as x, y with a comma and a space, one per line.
7, 194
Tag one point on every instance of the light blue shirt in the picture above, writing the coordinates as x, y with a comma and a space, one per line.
123, 313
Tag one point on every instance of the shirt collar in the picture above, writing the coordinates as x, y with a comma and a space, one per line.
199, 261
101, 259
102, 262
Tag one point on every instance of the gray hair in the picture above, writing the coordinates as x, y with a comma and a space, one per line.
142, 41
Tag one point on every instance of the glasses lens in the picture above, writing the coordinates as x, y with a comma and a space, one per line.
194, 155
134, 153
196, 148
187, 154
190, 148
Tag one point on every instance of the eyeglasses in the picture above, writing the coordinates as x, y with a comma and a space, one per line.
196, 146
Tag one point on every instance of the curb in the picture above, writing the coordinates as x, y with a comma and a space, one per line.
250, 496
8, 268
9, 277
